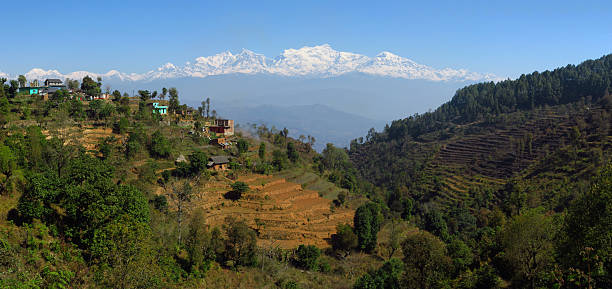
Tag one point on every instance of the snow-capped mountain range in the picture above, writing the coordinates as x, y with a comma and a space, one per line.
318, 61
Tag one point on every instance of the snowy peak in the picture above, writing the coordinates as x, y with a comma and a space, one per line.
310, 61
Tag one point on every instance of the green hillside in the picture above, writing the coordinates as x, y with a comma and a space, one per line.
500, 155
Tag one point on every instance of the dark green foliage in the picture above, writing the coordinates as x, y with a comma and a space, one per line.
398, 156
87, 196
238, 188
388, 276
76, 110
435, 223
587, 231
241, 244
90, 87
427, 265
134, 143
197, 162
527, 240
461, 254
173, 103
199, 245
160, 203
368, 220
307, 257
105, 147
122, 125
262, 151
344, 239
144, 95
116, 95
292, 153
160, 146
279, 160
243, 146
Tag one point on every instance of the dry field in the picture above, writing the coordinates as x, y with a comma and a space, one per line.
283, 213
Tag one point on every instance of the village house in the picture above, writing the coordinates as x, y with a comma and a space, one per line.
222, 142
218, 163
159, 109
223, 127
50, 86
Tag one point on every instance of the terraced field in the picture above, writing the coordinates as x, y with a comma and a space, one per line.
468, 163
283, 213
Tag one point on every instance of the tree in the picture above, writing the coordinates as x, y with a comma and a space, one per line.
306, 257
396, 231
388, 276
587, 230
528, 245
22, 80
243, 146
144, 95
10, 174
344, 239
199, 244
426, 261
292, 152
238, 188
160, 147
208, 107
197, 162
173, 103
116, 95
87, 197
122, 125
461, 255
241, 244
90, 87
182, 195
435, 223
164, 92
367, 222
279, 160
262, 151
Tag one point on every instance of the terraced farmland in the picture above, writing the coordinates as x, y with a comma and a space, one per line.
473, 161
283, 213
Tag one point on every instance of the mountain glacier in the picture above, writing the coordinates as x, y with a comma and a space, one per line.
317, 62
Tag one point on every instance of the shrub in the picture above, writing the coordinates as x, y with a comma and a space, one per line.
160, 147
307, 256
344, 239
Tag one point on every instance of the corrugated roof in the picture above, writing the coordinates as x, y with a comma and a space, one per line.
220, 159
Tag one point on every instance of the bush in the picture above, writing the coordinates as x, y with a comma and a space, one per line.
306, 257
237, 189
160, 147
241, 244
367, 222
121, 126
160, 203
344, 239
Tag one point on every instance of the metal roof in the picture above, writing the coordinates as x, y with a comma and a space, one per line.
219, 159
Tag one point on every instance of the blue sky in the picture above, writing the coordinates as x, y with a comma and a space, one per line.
506, 38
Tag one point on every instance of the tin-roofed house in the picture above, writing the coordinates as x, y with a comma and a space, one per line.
159, 109
218, 163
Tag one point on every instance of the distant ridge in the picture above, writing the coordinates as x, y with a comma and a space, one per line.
317, 61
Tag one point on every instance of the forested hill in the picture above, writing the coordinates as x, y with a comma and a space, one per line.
588, 81
492, 134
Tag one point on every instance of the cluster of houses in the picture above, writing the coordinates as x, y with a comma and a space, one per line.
49, 86
222, 129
